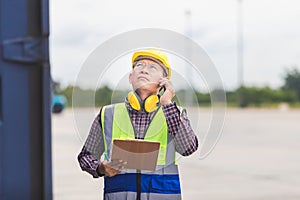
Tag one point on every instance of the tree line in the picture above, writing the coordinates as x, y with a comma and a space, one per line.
243, 96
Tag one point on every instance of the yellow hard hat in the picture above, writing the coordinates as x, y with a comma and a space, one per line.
157, 55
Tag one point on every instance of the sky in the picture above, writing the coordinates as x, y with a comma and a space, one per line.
271, 32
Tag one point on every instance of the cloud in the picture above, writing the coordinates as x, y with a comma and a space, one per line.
271, 32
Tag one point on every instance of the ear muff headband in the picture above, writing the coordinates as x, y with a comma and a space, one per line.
150, 104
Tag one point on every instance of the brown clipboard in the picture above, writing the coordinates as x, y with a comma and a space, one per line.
139, 154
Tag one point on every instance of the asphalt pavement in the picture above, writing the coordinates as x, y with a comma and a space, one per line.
257, 156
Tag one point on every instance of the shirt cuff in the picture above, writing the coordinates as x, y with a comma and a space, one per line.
98, 171
93, 169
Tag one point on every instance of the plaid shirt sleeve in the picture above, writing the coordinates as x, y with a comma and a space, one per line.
89, 157
185, 140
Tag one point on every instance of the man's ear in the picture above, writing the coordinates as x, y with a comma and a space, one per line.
130, 77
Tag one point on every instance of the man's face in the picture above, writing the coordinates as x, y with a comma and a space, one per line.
145, 75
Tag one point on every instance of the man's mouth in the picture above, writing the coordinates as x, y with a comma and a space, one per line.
142, 77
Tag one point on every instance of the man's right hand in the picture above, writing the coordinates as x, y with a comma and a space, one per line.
111, 168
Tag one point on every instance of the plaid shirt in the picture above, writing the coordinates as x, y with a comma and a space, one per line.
179, 127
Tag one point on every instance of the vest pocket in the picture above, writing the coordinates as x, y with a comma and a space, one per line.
123, 182
165, 184
114, 184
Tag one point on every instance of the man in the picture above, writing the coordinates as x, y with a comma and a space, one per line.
141, 115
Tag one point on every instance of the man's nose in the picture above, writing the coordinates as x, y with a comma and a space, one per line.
144, 70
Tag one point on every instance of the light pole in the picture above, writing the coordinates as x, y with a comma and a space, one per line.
188, 92
240, 53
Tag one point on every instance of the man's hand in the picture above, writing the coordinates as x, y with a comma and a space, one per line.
111, 168
166, 98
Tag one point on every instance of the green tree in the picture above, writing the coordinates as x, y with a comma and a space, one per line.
256, 96
292, 81
67, 92
56, 89
103, 96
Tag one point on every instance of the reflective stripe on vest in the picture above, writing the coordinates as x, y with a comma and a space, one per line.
144, 196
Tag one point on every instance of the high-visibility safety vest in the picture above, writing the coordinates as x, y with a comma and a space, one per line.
131, 184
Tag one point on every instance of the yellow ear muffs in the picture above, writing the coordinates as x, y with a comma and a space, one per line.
134, 101
151, 103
